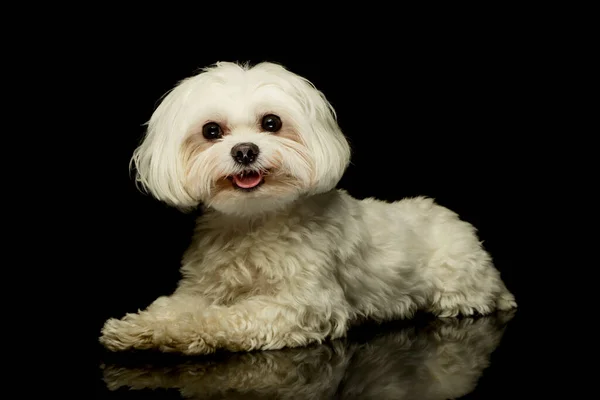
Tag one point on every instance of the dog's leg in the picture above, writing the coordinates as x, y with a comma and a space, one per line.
467, 284
258, 323
475, 299
146, 329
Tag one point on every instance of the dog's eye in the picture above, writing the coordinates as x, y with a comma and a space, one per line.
212, 131
271, 123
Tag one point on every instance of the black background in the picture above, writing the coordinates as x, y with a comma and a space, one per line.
451, 119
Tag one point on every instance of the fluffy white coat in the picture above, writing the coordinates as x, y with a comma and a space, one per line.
294, 260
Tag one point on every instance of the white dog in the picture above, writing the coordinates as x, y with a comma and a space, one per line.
280, 258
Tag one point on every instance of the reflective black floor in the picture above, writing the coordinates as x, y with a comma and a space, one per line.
425, 358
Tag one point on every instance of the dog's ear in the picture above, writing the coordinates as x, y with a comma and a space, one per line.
328, 145
322, 135
156, 162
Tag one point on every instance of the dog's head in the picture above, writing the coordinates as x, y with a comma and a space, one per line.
242, 140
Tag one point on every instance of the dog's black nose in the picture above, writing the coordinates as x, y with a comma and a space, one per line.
244, 153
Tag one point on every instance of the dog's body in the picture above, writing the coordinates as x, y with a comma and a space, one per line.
280, 257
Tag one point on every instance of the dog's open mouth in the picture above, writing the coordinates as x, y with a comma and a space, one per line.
247, 180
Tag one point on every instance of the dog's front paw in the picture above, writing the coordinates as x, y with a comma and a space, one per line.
125, 334
142, 332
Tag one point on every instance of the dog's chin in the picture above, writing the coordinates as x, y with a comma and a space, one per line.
253, 193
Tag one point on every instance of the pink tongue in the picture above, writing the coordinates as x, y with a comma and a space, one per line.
248, 181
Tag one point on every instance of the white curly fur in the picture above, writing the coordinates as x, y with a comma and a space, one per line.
294, 261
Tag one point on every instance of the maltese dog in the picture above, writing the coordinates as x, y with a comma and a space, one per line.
280, 257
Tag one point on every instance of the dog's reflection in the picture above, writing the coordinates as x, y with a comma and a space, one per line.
439, 359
